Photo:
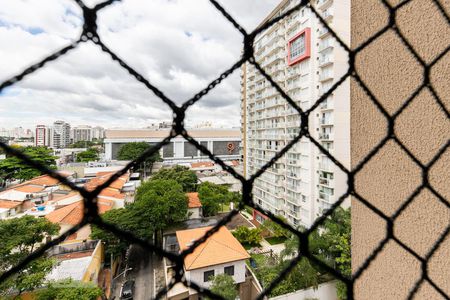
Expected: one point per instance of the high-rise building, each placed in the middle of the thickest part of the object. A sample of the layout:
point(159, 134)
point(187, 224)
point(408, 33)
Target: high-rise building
point(98, 133)
point(305, 60)
point(61, 134)
point(42, 136)
point(82, 133)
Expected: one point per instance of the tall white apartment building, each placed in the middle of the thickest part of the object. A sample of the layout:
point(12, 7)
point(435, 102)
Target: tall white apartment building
point(98, 132)
point(82, 133)
point(42, 136)
point(61, 135)
point(305, 60)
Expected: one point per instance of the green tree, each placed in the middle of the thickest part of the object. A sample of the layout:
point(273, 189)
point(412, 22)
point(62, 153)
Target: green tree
point(163, 202)
point(224, 285)
point(69, 289)
point(82, 144)
point(121, 218)
point(331, 243)
point(213, 196)
point(20, 237)
point(187, 178)
point(276, 229)
point(90, 154)
point(132, 151)
point(157, 204)
point(13, 168)
point(248, 236)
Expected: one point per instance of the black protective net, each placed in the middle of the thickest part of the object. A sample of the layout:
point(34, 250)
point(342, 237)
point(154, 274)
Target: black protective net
point(91, 215)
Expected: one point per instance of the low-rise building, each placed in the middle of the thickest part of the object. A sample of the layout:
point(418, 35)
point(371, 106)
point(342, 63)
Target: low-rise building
point(194, 206)
point(223, 143)
point(220, 253)
point(77, 260)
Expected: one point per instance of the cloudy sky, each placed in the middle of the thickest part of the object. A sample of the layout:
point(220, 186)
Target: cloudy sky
point(179, 45)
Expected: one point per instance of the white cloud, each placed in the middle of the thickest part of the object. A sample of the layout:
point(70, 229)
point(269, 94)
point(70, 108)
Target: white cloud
point(179, 45)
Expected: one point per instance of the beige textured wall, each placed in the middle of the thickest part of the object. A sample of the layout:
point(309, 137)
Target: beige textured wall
point(390, 177)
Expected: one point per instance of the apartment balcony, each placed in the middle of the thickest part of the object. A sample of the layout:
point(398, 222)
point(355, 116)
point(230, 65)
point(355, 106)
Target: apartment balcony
point(293, 124)
point(294, 188)
point(325, 60)
point(326, 122)
point(323, 32)
point(326, 167)
point(326, 136)
point(327, 15)
point(326, 44)
point(326, 182)
point(327, 104)
point(326, 197)
point(325, 76)
point(321, 4)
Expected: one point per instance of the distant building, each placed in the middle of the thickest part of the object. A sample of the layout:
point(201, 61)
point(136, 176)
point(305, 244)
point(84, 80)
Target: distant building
point(223, 143)
point(42, 136)
point(61, 135)
point(82, 133)
point(98, 133)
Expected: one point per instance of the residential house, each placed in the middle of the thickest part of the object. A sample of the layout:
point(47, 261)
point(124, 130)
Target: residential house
point(220, 253)
point(194, 206)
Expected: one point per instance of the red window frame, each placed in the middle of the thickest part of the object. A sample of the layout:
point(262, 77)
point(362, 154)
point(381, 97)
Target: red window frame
point(307, 33)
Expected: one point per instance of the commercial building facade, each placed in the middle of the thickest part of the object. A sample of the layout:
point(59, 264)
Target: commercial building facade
point(304, 59)
point(223, 143)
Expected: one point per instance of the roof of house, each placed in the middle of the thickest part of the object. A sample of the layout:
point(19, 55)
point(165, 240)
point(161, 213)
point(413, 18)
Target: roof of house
point(194, 200)
point(117, 184)
point(203, 164)
point(71, 268)
point(30, 188)
point(72, 214)
point(44, 180)
point(221, 247)
point(9, 204)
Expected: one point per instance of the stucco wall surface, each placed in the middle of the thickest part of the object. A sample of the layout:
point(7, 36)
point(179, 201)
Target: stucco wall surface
point(393, 74)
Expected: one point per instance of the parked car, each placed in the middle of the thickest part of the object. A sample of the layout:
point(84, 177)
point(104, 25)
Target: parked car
point(127, 290)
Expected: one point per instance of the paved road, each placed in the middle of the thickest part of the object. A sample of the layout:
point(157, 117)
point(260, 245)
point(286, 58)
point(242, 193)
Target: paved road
point(142, 273)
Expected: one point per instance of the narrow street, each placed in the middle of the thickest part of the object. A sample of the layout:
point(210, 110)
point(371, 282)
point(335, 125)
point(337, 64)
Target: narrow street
point(142, 273)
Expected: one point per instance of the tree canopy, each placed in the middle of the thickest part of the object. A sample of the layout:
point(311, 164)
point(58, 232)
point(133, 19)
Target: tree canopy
point(213, 196)
point(90, 154)
point(275, 229)
point(69, 289)
point(331, 243)
point(248, 236)
point(20, 237)
point(224, 285)
point(187, 178)
point(132, 151)
point(14, 168)
point(158, 204)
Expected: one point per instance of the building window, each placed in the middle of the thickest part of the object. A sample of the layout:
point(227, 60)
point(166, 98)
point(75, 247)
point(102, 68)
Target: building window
point(229, 270)
point(299, 47)
point(207, 276)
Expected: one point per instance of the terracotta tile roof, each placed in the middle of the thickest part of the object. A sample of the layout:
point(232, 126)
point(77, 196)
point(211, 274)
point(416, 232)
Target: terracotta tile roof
point(9, 204)
point(117, 184)
point(221, 247)
point(194, 201)
point(203, 164)
point(44, 180)
point(30, 188)
point(72, 214)
point(113, 193)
